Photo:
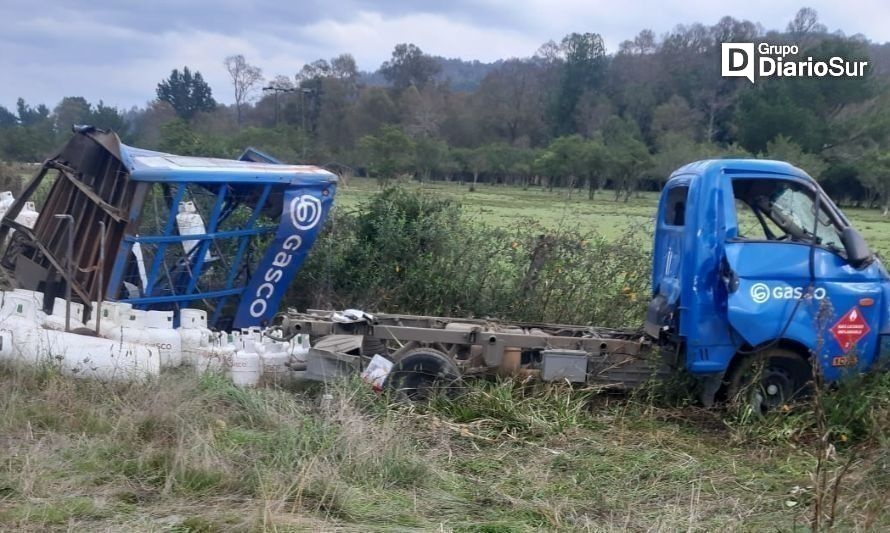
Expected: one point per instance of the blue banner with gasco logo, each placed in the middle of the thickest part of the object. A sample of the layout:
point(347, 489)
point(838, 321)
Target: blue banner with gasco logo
point(304, 211)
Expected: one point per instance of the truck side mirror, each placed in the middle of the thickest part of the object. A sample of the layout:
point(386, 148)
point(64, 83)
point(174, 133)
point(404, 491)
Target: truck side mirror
point(858, 252)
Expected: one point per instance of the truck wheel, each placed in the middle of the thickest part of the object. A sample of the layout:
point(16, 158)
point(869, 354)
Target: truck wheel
point(421, 374)
point(767, 380)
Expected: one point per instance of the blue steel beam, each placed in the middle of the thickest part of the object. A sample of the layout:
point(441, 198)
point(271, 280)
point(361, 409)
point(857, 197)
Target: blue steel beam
point(168, 228)
point(177, 298)
point(205, 244)
point(155, 239)
point(242, 246)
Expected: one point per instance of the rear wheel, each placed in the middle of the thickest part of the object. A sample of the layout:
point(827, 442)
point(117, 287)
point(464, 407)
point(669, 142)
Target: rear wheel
point(768, 380)
point(423, 373)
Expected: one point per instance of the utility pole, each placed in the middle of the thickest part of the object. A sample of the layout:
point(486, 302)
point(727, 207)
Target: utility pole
point(275, 90)
point(304, 91)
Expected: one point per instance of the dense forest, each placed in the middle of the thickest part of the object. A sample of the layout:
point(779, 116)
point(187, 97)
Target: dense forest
point(572, 115)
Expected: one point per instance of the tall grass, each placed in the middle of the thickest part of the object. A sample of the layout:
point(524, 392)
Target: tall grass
point(189, 453)
point(81, 450)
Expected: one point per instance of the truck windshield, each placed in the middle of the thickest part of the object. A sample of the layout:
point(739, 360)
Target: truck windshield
point(784, 211)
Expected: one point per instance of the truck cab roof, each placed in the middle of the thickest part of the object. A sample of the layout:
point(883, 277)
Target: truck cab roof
point(713, 168)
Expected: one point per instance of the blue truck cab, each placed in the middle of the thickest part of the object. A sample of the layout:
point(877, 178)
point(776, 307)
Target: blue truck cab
point(752, 259)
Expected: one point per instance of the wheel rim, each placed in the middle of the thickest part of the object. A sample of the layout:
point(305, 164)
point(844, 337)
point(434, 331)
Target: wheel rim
point(420, 386)
point(772, 390)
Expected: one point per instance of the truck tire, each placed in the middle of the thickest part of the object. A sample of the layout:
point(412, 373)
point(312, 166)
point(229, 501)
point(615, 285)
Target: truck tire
point(423, 373)
point(767, 380)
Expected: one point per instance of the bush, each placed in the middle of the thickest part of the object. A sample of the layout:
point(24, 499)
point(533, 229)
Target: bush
point(404, 251)
point(10, 179)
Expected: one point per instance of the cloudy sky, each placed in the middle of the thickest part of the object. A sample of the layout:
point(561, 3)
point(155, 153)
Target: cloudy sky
point(118, 50)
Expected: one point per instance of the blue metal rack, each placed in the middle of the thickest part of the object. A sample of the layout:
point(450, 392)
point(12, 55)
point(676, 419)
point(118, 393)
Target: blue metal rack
point(260, 218)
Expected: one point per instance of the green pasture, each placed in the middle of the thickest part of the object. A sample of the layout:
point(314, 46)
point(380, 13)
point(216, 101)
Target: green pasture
point(509, 206)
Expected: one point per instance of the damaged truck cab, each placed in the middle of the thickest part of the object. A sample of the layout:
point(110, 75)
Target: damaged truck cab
point(752, 260)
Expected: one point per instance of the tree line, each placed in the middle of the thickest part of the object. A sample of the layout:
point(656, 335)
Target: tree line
point(572, 115)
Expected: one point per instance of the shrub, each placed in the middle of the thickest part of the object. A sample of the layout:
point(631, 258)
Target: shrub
point(407, 252)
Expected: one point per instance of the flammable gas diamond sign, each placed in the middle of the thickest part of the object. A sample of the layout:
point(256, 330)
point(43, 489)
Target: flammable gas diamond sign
point(850, 329)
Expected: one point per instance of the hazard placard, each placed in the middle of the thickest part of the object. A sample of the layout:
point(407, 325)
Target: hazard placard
point(850, 329)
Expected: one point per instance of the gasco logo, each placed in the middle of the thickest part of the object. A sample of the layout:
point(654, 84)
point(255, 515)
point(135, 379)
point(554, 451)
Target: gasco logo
point(761, 293)
point(305, 214)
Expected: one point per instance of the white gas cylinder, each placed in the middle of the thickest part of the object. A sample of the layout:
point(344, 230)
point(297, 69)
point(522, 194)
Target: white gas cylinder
point(299, 347)
point(247, 366)
point(194, 335)
point(160, 333)
point(28, 215)
point(56, 320)
point(77, 355)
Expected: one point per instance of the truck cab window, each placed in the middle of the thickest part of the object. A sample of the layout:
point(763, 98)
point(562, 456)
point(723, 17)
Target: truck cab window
point(777, 210)
point(675, 208)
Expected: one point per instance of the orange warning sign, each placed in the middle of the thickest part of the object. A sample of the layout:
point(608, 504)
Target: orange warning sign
point(850, 329)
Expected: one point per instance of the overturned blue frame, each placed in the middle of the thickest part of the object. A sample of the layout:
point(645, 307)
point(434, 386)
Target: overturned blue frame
point(254, 172)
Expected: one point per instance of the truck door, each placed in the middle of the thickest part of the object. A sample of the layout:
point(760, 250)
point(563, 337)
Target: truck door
point(668, 255)
point(784, 244)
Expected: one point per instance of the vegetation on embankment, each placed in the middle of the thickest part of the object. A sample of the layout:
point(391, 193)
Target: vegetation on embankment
point(189, 453)
point(184, 453)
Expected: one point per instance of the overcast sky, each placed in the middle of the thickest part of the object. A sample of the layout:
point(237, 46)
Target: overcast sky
point(118, 50)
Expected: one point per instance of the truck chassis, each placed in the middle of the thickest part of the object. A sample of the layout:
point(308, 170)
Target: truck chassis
point(606, 357)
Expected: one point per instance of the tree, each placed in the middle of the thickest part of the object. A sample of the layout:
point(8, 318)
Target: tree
point(34, 136)
point(563, 160)
point(805, 22)
point(7, 118)
point(109, 118)
point(783, 148)
point(430, 155)
point(72, 110)
point(571, 159)
point(177, 137)
point(187, 93)
point(874, 175)
point(245, 77)
point(773, 109)
point(473, 160)
point(510, 99)
point(328, 92)
point(343, 67)
point(676, 149)
point(585, 63)
point(675, 116)
point(409, 66)
point(319, 68)
point(643, 43)
point(628, 157)
point(387, 154)
point(31, 116)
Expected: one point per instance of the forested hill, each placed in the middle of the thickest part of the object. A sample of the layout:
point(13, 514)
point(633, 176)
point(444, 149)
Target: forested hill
point(573, 114)
point(458, 74)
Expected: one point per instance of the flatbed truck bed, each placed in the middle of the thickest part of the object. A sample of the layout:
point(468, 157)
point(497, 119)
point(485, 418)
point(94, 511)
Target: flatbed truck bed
point(608, 357)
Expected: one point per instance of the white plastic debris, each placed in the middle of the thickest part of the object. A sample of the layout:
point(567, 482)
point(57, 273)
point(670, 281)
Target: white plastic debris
point(376, 372)
point(349, 316)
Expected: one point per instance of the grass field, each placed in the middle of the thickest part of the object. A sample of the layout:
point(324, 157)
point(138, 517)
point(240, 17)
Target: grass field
point(188, 454)
point(195, 454)
point(508, 206)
